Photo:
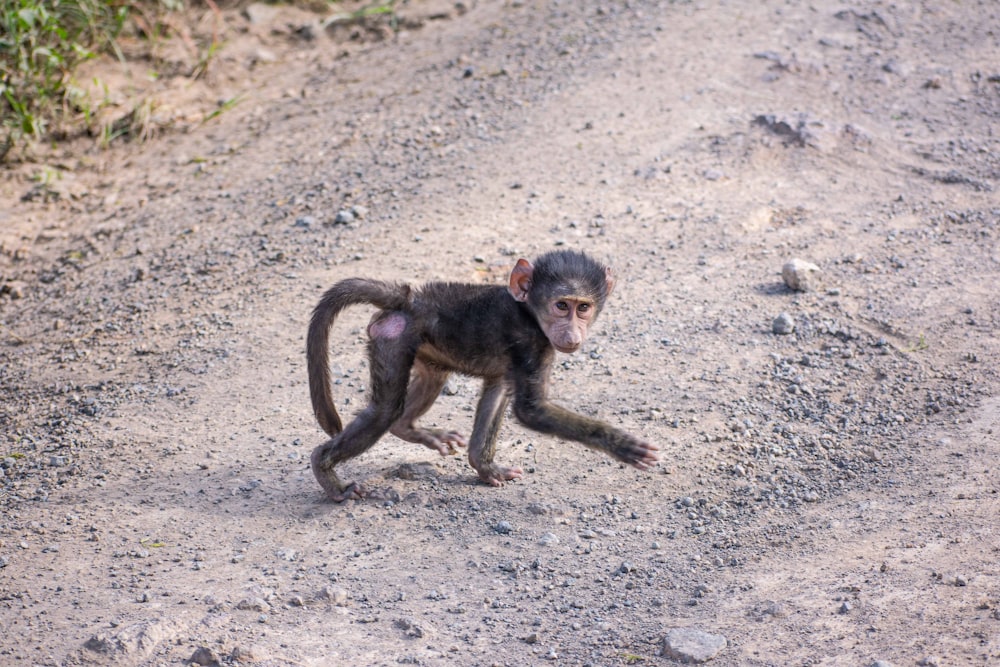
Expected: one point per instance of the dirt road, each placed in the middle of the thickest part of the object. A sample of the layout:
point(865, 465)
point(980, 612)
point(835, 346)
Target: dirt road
point(827, 495)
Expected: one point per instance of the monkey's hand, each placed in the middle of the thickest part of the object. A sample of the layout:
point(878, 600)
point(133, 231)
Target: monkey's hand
point(636, 453)
point(443, 442)
point(495, 475)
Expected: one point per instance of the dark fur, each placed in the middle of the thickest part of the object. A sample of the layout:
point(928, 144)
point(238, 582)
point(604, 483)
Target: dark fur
point(471, 329)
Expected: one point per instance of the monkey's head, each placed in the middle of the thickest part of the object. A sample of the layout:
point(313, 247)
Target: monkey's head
point(565, 290)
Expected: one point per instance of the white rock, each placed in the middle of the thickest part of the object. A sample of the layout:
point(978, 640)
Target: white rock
point(800, 275)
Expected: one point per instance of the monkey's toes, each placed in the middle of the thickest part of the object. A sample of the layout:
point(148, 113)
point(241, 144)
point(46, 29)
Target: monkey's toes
point(352, 491)
point(496, 475)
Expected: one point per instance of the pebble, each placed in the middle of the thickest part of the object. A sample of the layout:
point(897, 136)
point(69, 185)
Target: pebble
point(548, 540)
point(14, 288)
point(412, 628)
point(504, 528)
point(337, 596)
point(799, 275)
point(253, 604)
point(690, 645)
point(248, 654)
point(343, 217)
point(205, 656)
point(783, 324)
point(305, 221)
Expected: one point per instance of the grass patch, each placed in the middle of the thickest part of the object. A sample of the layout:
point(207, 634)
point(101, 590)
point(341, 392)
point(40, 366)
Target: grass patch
point(41, 42)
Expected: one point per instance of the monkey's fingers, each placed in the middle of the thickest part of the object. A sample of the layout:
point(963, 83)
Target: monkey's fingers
point(640, 455)
point(445, 442)
point(453, 440)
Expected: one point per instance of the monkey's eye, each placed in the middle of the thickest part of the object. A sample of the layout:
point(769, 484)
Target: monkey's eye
point(583, 308)
point(562, 305)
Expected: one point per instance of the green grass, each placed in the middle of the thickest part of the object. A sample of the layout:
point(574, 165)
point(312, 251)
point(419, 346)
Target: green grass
point(41, 42)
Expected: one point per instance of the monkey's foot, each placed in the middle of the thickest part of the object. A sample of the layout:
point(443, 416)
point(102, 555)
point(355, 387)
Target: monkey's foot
point(335, 490)
point(352, 491)
point(496, 475)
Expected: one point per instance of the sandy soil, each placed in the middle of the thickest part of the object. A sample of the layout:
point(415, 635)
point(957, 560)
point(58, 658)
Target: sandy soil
point(826, 497)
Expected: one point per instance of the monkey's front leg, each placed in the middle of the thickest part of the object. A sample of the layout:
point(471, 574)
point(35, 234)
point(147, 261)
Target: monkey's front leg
point(482, 445)
point(548, 418)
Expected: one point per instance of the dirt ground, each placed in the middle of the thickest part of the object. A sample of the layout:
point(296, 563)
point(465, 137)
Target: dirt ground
point(829, 496)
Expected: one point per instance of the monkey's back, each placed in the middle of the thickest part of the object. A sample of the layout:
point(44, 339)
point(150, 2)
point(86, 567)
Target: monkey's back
point(473, 329)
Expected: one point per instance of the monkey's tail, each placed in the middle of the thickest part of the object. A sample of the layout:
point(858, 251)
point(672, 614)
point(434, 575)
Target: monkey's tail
point(386, 296)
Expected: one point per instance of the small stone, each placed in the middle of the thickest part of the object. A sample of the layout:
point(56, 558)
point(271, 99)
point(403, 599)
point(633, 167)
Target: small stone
point(845, 608)
point(259, 13)
point(359, 211)
point(262, 55)
point(253, 604)
point(783, 324)
point(248, 654)
point(343, 217)
point(305, 221)
point(291, 555)
point(15, 289)
point(412, 628)
point(205, 656)
point(548, 540)
point(799, 275)
point(337, 596)
point(504, 528)
point(692, 646)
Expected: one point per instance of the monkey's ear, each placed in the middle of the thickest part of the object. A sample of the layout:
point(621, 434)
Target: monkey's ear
point(609, 278)
point(520, 280)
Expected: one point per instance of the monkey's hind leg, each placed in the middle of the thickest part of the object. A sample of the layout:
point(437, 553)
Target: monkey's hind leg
point(425, 386)
point(323, 459)
point(391, 355)
point(482, 447)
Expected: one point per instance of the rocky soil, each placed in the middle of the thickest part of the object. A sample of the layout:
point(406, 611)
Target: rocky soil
point(829, 492)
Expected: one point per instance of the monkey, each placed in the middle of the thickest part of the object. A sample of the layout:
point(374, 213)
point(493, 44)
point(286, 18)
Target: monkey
point(505, 335)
